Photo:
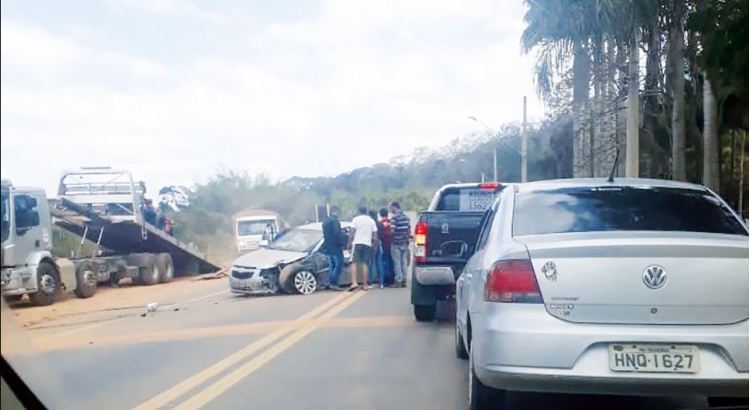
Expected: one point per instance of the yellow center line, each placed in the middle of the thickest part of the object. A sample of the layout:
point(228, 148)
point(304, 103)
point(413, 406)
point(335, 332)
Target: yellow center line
point(191, 382)
point(223, 384)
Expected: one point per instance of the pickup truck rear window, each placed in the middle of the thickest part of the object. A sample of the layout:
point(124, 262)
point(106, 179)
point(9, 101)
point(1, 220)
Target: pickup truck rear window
point(612, 208)
point(466, 199)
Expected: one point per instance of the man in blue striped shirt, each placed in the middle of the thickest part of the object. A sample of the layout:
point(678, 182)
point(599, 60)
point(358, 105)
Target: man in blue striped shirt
point(401, 228)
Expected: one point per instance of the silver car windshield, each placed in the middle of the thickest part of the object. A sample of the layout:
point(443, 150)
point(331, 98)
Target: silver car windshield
point(613, 208)
point(298, 240)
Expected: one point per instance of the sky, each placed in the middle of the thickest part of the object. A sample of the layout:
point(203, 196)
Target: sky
point(176, 90)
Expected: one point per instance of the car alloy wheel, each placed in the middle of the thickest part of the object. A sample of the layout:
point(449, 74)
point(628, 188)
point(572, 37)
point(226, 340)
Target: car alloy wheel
point(305, 282)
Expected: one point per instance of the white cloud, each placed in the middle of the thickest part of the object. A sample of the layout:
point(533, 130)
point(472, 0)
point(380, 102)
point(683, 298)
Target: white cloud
point(142, 66)
point(350, 85)
point(35, 49)
point(168, 7)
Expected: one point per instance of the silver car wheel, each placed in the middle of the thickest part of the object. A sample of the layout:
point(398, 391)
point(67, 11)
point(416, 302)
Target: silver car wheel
point(305, 282)
point(471, 373)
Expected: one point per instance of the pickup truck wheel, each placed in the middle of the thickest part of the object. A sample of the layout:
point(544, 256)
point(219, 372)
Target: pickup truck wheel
point(149, 275)
point(461, 352)
point(425, 313)
point(85, 281)
point(480, 396)
point(727, 402)
point(48, 285)
point(166, 267)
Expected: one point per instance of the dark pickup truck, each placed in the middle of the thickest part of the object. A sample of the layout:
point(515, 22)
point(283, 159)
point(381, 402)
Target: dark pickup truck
point(444, 239)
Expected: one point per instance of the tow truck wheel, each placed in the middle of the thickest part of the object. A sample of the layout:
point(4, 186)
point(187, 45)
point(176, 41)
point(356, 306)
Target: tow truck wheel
point(149, 275)
point(48, 285)
point(166, 267)
point(86, 281)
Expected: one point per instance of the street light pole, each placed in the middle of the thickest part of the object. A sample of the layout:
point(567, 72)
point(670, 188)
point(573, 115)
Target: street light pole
point(524, 147)
point(494, 156)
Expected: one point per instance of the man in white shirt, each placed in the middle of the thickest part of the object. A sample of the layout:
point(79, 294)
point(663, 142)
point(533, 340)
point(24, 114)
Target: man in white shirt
point(362, 237)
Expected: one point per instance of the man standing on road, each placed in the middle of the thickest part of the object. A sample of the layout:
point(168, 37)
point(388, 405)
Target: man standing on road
point(362, 237)
point(333, 247)
point(385, 241)
point(401, 227)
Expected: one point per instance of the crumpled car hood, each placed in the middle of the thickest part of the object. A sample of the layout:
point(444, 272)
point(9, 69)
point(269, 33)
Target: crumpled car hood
point(268, 258)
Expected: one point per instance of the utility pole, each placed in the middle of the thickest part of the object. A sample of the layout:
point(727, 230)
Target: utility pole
point(494, 161)
point(524, 146)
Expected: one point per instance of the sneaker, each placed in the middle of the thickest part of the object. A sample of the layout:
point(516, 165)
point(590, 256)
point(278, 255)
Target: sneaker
point(381, 286)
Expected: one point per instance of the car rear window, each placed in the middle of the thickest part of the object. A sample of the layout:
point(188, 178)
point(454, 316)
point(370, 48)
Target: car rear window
point(466, 199)
point(612, 208)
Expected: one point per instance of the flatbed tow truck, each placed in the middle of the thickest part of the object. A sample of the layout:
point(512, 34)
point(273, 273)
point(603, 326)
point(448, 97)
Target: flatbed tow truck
point(102, 205)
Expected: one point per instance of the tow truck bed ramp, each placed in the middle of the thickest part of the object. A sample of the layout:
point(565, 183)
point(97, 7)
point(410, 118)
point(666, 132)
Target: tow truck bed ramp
point(102, 205)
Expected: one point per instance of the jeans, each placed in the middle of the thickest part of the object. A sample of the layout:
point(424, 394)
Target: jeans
point(335, 263)
point(400, 256)
point(376, 266)
point(386, 273)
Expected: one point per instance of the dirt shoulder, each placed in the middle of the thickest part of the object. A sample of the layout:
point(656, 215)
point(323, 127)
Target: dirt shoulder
point(126, 296)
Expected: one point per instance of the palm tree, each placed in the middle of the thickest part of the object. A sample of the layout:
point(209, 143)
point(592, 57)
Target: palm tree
point(711, 165)
point(677, 60)
point(561, 29)
point(557, 30)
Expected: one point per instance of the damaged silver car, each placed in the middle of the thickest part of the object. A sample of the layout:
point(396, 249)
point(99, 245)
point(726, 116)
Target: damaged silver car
point(293, 264)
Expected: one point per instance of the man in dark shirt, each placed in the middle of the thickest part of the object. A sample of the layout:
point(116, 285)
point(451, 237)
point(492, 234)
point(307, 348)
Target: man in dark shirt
point(333, 247)
point(400, 228)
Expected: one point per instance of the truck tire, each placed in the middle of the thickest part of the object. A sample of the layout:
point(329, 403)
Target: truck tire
point(85, 281)
point(13, 298)
point(166, 267)
point(425, 313)
point(48, 285)
point(149, 275)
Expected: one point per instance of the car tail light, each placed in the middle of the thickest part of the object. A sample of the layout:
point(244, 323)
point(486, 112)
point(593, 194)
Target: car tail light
point(420, 241)
point(512, 281)
point(489, 185)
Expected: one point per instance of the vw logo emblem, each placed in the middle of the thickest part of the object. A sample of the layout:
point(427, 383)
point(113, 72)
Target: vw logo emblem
point(654, 277)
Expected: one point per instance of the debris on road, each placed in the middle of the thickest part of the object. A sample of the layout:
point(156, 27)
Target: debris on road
point(216, 275)
point(151, 307)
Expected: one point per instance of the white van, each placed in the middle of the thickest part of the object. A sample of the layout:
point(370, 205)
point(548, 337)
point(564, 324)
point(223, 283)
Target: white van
point(255, 228)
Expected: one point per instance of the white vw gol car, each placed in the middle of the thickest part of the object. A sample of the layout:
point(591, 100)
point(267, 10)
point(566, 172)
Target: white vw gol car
point(626, 286)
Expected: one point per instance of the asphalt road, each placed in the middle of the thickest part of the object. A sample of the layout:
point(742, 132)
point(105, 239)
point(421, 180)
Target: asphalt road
point(325, 351)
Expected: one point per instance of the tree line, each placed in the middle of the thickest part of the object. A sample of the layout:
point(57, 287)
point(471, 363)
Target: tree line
point(682, 115)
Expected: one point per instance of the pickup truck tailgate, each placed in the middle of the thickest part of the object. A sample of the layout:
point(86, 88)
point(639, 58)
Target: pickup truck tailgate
point(451, 236)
